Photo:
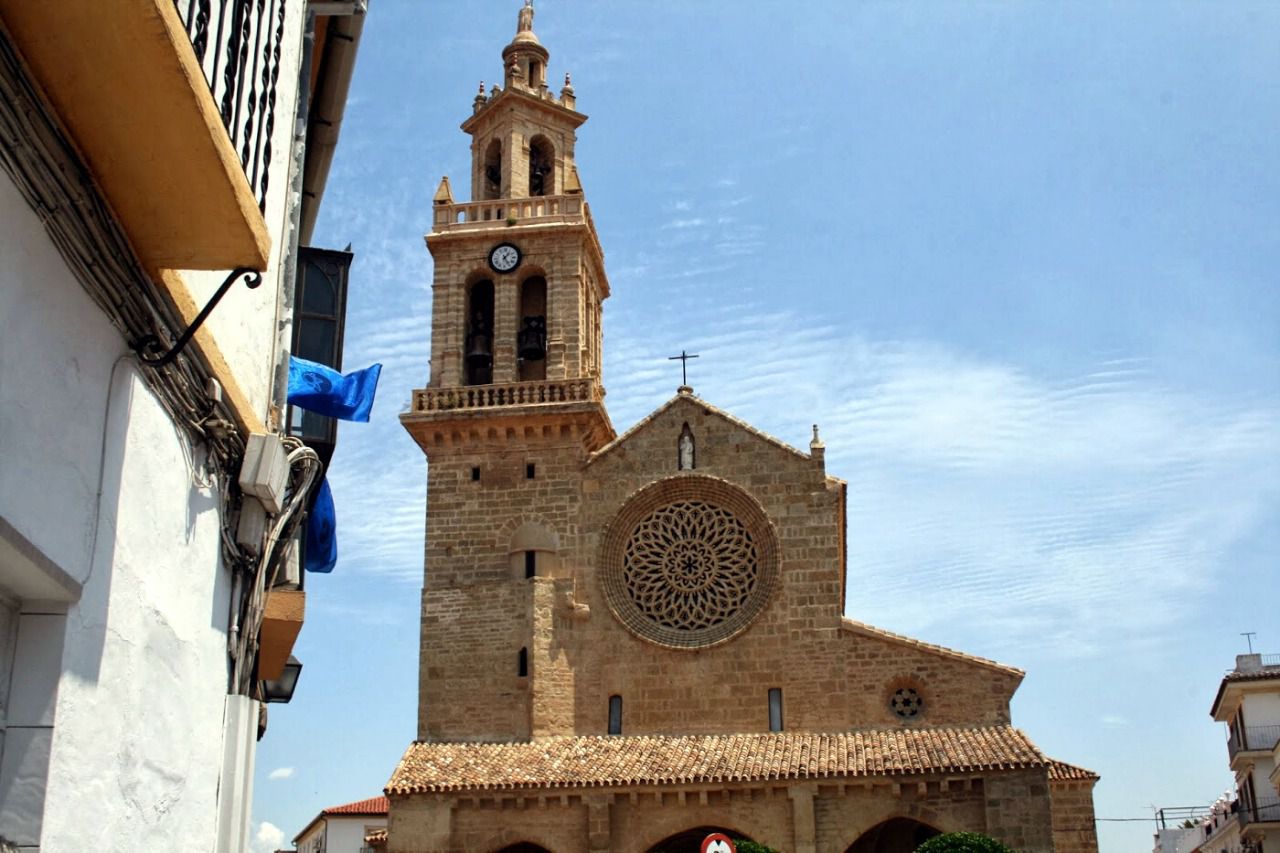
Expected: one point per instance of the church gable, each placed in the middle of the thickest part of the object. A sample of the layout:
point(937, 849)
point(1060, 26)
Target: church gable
point(716, 435)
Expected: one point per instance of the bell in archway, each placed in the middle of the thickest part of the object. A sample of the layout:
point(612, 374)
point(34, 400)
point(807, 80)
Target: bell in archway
point(479, 343)
point(531, 342)
point(478, 352)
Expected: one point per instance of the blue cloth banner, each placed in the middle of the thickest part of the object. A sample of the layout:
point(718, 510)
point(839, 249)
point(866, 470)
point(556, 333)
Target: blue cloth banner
point(325, 391)
point(321, 550)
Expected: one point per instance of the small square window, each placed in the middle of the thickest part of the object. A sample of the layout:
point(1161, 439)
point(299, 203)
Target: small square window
point(529, 471)
point(475, 473)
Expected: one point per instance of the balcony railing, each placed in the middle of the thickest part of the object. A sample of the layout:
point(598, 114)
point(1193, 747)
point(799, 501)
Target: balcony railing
point(1266, 811)
point(1253, 737)
point(505, 394)
point(237, 43)
point(540, 209)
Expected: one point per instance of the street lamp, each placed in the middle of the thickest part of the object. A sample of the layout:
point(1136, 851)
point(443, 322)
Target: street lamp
point(281, 690)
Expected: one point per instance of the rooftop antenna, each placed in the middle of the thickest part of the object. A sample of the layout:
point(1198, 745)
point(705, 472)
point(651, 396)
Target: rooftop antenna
point(1249, 635)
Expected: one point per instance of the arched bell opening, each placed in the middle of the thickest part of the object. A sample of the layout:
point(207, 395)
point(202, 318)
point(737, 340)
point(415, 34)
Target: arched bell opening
point(478, 348)
point(542, 166)
point(896, 835)
point(690, 841)
point(491, 177)
point(531, 335)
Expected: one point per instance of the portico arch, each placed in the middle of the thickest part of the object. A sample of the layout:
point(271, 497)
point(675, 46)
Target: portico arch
point(690, 840)
point(895, 835)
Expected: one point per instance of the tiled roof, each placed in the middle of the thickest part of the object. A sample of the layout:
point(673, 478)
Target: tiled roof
point(638, 760)
point(1234, 677)
point(1061, 771)
point(856, 627)
point(373, 805)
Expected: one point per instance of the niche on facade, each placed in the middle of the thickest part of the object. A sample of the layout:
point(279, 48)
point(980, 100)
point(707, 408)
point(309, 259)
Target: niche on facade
point(531, 336)
point(491, 177)
point(686, 450)
point(542, 166)
point(478, 362)
point(533, 552)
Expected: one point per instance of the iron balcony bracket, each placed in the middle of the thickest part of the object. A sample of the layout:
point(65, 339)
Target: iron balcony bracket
point(148, 346)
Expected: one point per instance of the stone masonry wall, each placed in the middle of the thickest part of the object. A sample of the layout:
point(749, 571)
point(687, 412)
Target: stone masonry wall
point(800, 817)
point(1074, 830)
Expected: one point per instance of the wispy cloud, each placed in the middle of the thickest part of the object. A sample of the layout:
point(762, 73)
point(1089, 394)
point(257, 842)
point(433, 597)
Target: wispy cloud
point(1070, 512)
point(280, 773)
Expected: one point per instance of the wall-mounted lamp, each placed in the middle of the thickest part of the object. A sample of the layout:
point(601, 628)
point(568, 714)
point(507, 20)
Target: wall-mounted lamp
point(281, 690)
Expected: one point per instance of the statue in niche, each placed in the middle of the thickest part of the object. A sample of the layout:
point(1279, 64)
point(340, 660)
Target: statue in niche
point(686, 454)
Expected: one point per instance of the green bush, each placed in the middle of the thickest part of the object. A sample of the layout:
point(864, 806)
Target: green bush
point(962, 842)
point(751, 847)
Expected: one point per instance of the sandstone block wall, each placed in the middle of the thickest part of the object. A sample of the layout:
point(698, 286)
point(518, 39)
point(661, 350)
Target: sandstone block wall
point(1074, 830)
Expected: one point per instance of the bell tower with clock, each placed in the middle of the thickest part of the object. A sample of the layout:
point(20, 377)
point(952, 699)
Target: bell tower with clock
point(514, 405)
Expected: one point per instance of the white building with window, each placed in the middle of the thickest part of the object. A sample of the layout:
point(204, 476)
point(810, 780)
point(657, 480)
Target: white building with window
point(342, 829)
point(151, 151)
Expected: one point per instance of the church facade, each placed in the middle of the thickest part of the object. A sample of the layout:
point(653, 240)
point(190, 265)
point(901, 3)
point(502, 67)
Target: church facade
point(631, 641)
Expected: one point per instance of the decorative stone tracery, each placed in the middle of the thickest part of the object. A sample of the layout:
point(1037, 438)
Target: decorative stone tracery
point(689, 562)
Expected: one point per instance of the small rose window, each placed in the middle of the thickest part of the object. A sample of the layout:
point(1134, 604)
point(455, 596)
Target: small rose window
point(907, 703)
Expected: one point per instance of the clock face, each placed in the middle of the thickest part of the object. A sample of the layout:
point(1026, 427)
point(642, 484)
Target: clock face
point(504, 257)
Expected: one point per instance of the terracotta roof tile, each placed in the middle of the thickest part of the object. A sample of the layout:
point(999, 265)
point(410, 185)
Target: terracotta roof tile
point(373, 805)
point(639, 760)
point(1060, 771)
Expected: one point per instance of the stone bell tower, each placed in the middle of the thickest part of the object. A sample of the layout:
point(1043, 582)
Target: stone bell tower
point(513, 408)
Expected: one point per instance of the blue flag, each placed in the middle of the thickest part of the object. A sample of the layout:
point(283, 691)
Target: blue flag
point(325, 391)
point(321, 549)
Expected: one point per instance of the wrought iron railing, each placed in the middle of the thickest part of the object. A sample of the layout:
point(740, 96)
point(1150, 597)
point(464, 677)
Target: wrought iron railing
point(1264, 811)
point(1253, 737)
point(237, 43)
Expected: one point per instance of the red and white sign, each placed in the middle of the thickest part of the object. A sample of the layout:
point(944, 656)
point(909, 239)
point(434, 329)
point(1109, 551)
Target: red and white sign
point(718, 843)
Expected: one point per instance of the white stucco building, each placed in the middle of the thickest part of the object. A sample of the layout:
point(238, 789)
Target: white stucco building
point(342, 829)
point(147, 149)
point(1248, 701)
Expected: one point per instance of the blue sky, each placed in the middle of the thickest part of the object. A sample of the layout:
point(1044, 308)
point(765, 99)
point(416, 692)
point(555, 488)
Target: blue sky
point(1017, 260)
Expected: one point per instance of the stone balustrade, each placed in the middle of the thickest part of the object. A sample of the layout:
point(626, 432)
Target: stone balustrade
point(504, 394)
point(541, 209)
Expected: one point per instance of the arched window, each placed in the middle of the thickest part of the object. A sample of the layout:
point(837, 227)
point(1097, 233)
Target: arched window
point(775, 709)
point(491, 180)
point(479, 333)
point(615, 715)
point(531, 337)
point(542, 164)
point(686, 451)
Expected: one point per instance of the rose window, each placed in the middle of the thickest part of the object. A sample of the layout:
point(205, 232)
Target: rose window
point(690, 565)
point(689, 562)
point(906, 702)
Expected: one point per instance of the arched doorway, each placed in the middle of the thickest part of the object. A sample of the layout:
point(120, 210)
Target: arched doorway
point(896, 835)
point(690, 841)
point(524, 847)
